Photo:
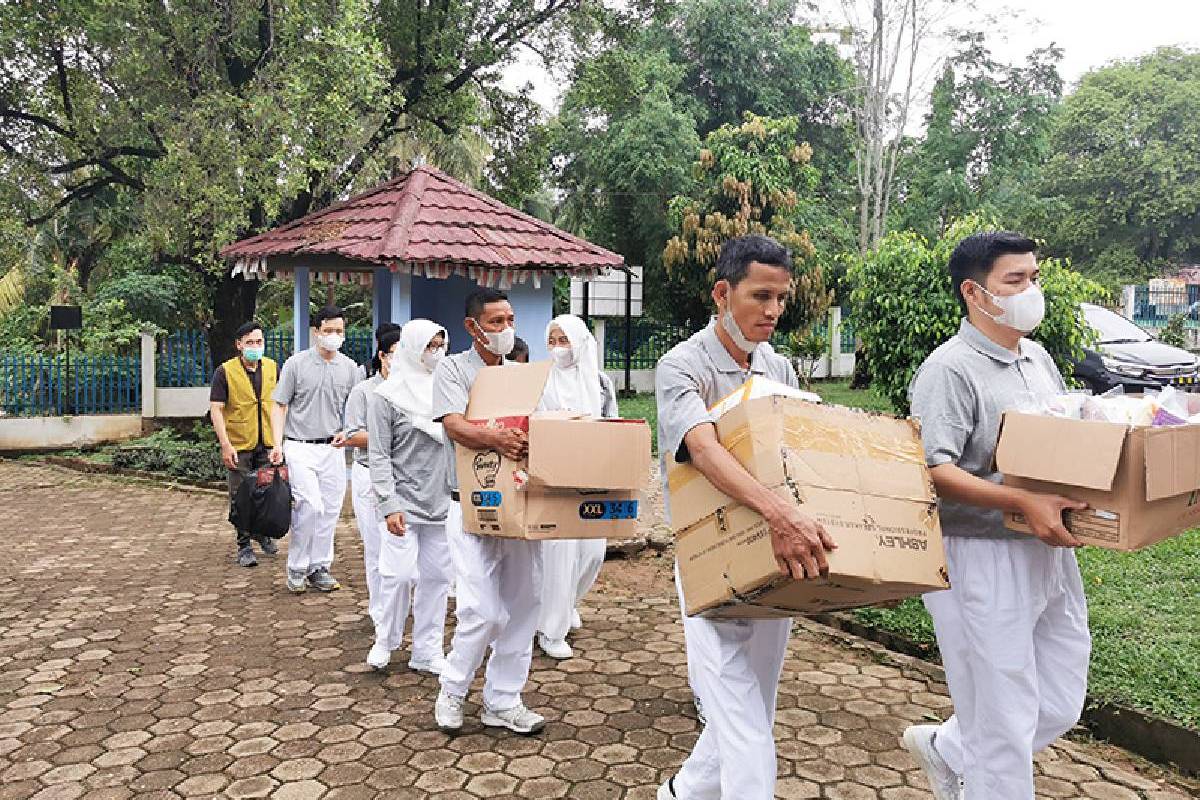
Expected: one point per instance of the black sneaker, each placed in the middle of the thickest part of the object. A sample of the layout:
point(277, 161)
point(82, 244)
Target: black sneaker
point(245, 557)
point(268, 546)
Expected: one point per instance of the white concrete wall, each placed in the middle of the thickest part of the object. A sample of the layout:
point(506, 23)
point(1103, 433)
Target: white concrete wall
point(177, 403)
point(56, 433)
point(641, 379)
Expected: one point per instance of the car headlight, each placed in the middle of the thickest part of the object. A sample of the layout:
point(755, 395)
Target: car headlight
point(1123, 367)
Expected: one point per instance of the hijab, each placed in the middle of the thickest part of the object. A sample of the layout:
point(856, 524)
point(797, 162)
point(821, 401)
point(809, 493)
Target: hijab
point(575, 386)
point(409, 384)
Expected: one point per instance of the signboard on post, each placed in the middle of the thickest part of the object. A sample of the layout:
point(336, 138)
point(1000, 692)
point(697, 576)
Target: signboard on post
point(606, 295)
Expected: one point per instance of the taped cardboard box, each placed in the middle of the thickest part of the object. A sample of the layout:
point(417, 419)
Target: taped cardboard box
point(862, 476)
point(583, 478)
point(1142, 485)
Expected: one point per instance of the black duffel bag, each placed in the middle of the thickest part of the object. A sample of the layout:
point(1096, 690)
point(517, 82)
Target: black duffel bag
point(263, 506)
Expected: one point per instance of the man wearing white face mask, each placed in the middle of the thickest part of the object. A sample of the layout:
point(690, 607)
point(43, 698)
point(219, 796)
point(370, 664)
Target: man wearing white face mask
point(310, 401)
point(498, 589)
point(1013, 629)
point(570, 566)
point(408, 473)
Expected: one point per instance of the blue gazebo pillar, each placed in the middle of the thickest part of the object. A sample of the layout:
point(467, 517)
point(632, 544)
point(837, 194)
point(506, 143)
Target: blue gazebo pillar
point(381, 301)
point(300, 301)
point(400, 301)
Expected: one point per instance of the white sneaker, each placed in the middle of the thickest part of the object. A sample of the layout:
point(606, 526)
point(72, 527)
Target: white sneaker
point(448, 712)
point(555, 648)
point(667, 790)
point(944, 782)
point(433, 666)
point(379, 657)
point(576, 620)
point(517, 719)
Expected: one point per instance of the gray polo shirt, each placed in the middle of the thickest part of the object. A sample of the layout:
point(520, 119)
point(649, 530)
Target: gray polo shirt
point(315, 392)
point(408, 466)
point(452, 381)
point(694, 376)
point(959, 394)
point(362, 397)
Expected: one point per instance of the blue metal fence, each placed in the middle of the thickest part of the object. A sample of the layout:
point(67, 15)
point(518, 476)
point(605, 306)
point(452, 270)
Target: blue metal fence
point(183, 358)
point(651, 340)
point(39, 385)
point(1153, 308)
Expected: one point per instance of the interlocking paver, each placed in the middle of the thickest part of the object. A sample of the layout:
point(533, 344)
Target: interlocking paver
point(136, 661)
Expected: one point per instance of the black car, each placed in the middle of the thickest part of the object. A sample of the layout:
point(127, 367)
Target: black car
point(1128, 356)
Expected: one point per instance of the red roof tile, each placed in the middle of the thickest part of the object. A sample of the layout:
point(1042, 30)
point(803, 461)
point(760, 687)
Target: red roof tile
point(427, 217)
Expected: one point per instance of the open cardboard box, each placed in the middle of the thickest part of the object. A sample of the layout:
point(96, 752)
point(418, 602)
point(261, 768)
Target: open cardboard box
point(583, 477)
point(1142, 485)
point(862, 476)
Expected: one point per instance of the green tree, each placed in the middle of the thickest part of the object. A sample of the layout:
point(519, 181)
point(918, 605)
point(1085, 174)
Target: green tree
point(1122, 184)
point(753, 178)
point(657, 78)
point(214, 121)
point(987, 136)
point(904, 306)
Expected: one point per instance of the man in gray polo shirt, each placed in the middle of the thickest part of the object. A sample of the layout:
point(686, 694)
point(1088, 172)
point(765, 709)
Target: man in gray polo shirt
point(310, 400)
point(734, 665)
point(498, 590)
point(1012, 630)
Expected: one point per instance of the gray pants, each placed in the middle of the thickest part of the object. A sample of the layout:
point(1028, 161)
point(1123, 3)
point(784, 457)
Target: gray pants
point(248, 461)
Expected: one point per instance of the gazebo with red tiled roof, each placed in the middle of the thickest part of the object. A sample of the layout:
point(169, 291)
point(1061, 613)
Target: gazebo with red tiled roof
point(423, 240)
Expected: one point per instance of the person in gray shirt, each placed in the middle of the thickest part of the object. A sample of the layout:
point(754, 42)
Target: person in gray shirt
point(366, 508)
point(498, 579)
point(734, 665)
point(310, 400)
point(1013, 629)
point(407, 465)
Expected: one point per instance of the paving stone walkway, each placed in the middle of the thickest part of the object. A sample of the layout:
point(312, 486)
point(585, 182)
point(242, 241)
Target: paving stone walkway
point(136, 661)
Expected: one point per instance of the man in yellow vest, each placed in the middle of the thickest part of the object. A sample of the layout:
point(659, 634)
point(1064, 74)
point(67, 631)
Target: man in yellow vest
point(240, 403)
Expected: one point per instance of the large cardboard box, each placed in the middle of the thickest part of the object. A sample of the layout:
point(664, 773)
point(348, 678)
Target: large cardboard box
point(1142, 485)
point(863, 476)
point(583, 478)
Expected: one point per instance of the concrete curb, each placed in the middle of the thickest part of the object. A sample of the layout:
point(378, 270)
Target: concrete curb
point(1153, 738)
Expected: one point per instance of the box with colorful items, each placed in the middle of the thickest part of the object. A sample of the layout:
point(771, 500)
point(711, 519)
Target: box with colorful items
point(1134, 459)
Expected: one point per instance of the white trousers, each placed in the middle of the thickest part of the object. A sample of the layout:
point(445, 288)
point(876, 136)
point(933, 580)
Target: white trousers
point(498, 597)
point(370, 528)
point(569, 568)
point(735, 667)
point(1014, 638)
point(415, 565)
point(318, 477)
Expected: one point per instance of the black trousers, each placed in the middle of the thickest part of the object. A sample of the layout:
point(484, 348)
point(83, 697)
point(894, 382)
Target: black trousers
point(248, 461)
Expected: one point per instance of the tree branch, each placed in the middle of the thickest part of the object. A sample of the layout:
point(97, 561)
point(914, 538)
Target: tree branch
point(7, 112)
point(63, 87)
point(81, 191)
point(103, 159)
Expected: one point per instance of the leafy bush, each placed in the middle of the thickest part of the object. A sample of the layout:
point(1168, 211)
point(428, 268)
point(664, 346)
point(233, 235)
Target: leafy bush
point(904, 306)
point(1174, 332)
point(196, 458)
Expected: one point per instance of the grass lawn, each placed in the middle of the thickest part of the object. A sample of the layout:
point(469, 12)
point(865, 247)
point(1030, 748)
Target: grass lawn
point(1144, 606)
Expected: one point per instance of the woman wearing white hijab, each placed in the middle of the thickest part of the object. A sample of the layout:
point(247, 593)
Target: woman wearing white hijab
point(408, 473)
point(570, 566)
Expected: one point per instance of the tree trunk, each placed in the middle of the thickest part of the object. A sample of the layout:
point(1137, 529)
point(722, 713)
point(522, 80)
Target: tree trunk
point(233, 303)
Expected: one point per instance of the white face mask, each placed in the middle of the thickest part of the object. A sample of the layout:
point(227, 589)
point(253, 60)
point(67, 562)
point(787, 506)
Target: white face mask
point(499, 344)
point(735, 333)
point(431, 358)
point(1022, 312)
point(331, 341)
point(564, 357)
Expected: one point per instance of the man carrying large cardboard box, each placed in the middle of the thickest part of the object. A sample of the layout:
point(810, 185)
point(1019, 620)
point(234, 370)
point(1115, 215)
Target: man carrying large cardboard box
point(498, 587)
point(1012, 629)
point(735, 664)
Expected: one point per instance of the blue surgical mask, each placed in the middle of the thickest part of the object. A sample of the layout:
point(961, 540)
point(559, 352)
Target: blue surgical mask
point(252, 353)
